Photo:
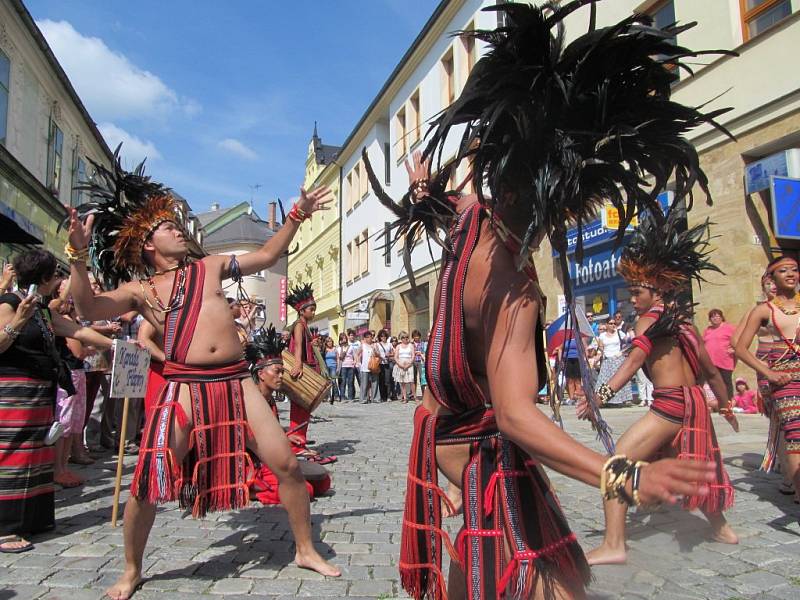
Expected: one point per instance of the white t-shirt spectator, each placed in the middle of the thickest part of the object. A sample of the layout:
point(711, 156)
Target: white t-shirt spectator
point(612, 344)
point(366, 354)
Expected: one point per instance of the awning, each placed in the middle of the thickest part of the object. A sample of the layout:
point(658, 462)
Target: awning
point(11, 232)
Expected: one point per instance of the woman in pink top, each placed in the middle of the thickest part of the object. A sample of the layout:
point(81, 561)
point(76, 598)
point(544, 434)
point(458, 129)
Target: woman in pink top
point(717, 338)
point(744, 400)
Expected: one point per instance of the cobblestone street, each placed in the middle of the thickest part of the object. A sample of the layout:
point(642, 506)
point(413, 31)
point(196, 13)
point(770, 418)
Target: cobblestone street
point(246, 554)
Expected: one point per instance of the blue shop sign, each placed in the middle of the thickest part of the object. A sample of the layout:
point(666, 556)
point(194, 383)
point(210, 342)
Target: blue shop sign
point(757, 174)
point(595, 234)
point(24, 224)
point(596, 268)
point(786, 207)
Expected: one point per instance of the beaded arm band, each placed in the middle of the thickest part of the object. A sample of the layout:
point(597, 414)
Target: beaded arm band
point(418, 189)
point(604, 392)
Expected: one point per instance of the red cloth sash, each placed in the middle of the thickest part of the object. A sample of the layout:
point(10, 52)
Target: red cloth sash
point(696, 440)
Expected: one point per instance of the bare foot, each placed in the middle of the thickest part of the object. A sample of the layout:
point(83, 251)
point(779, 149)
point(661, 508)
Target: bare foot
point(126, 586)
point(725, 535)
point(314, 562)
point(606, 555)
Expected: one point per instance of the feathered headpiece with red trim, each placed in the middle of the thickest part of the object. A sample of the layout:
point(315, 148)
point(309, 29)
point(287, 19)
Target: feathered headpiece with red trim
point(664, 255)
point(127, 208)
point(301, 297)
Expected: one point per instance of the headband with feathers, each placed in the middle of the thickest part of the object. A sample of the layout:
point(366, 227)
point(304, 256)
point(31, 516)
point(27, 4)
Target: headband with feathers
point(127, 208)
point(265, 349)
point(301, 297)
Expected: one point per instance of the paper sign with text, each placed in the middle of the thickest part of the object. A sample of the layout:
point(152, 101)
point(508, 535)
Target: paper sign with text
point(129, 371)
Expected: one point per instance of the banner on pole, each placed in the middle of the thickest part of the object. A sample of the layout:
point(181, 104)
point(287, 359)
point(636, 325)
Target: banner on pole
point(129, 370)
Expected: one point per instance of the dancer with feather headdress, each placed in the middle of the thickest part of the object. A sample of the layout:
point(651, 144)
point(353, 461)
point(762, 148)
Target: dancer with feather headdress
point(209, 411)
point(659, 263)
point(552, 130)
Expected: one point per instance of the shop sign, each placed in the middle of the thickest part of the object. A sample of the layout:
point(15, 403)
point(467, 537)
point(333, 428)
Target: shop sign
point(595, 269)
point(282, 298)
point(786, 207)
point(604, 229)
point(25, 224)
point(357, 316)
point(781, 164)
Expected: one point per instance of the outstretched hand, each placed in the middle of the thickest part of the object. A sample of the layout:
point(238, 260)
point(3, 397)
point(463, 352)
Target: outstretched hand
point(420, 171)
point(666, 479)
point(79, 232)
point(316, 199)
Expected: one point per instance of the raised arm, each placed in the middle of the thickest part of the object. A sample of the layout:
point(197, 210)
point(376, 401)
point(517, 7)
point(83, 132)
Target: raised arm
point(102, 306)
point(274, 247)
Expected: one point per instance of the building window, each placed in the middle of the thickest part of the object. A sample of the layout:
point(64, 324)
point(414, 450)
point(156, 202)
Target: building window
point(349, 265)
point(349, 195)
point(363, 252)
point(663, 14)
point(363, 183)
point(413, 118)
point(55, 150)
point(387, 244)
point(469, 54)
point(448, 81)
point(400, 133)
point(79, 178)
point(760, 15)
point(5, 84)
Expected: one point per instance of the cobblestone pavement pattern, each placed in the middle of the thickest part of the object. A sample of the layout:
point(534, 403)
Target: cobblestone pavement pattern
point(247, 554)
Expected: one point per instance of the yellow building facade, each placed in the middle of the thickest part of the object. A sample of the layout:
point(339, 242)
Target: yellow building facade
point(316, 257)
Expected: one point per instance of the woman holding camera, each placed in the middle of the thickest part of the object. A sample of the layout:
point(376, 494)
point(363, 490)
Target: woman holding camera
point(30, 370)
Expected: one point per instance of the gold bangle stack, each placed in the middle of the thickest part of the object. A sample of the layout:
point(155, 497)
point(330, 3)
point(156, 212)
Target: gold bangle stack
point(74, 255)
point(616, 473)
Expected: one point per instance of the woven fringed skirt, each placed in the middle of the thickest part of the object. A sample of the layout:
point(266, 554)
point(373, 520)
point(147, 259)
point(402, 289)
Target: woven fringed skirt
point(27, 410)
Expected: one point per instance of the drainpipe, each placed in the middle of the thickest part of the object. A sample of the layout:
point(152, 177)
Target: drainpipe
point(341, 242)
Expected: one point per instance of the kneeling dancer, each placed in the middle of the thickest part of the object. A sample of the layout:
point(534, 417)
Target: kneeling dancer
point(546, 128)
point(209, 411)
point(659, 264)
point(266, 366)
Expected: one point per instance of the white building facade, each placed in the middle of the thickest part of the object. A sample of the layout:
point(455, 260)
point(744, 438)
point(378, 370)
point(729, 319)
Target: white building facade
point(375, 289)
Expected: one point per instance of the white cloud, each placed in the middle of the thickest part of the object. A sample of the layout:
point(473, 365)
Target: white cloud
point(110, 85)
point(238, 148)
point(134, 149)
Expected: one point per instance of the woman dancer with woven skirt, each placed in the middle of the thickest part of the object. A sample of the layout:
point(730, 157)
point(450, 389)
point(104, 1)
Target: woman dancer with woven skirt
point(531, 127)
point(780, 365)
point(659, 264)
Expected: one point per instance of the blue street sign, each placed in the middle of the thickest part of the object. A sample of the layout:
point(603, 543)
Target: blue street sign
point(786, 207)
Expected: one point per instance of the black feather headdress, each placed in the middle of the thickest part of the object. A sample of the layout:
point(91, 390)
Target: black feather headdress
point(265, 349)
point(664, 255)
point(560, 129)
point(301, 297)
point(127, 207)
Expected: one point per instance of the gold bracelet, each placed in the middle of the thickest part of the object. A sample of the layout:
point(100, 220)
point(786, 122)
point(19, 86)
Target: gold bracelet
point(74, 255)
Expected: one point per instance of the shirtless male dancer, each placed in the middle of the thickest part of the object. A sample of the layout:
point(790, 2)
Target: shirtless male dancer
point(780, 364)
point(659, 264)
point(548, 162)
point(207, 379)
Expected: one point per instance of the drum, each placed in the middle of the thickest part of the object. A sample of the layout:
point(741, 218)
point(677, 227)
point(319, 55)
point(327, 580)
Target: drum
point(307, 391)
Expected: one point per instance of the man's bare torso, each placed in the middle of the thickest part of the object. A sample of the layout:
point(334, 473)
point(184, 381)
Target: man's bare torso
point(215, 341)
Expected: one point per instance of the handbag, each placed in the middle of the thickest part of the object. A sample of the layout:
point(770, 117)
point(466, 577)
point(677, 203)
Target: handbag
point(374, 364)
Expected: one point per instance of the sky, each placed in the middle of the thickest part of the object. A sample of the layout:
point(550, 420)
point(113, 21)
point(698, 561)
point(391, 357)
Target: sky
point(222, 96)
